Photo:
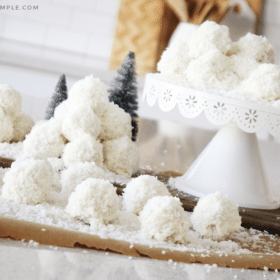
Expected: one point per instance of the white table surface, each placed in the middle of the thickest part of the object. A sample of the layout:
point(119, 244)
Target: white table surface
point(20, 260)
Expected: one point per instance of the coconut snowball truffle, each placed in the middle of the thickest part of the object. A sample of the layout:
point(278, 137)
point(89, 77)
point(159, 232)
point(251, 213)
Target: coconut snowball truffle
point(28, 181)
point(242, 65)
point(79, 172)
point(115, 123)
point(22, 126)
point(95, 201)
point(90, 91)
point(174, 60)
point(164, 219)
point(46, 138)
point(10, 100)
point(6, 127)
point(79, 121)
point(121, 155)
point(82, 149)
point(211, 68)
point(139, 190)
point(215, 216)
point(209, 36)
point(263, 83)
point(256, 47)
point(62, 110)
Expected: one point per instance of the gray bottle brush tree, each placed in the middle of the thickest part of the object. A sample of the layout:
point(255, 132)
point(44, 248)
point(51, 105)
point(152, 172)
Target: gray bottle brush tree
point(123, 91)
point(59, 95)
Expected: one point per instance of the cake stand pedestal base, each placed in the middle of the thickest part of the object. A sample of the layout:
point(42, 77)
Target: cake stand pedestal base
point(231, 164)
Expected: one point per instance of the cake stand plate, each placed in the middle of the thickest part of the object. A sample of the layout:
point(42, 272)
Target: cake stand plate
point(231, 163)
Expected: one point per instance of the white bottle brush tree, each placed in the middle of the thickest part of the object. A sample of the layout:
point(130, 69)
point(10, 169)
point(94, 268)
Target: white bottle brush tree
point(123, 91)
point(59, 95)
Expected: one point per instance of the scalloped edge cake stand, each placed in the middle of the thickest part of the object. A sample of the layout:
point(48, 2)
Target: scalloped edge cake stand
point(231, 163)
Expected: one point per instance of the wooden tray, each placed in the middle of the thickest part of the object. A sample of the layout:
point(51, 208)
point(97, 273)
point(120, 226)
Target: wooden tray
point(264, 220)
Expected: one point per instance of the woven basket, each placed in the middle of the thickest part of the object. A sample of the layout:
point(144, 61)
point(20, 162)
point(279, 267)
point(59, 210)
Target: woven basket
point(144, 27)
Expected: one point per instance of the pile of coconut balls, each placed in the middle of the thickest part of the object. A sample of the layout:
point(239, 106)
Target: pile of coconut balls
point(87, 136)
point(87, 128)
point(72, 154)
point(14, 124)
point(211, 60)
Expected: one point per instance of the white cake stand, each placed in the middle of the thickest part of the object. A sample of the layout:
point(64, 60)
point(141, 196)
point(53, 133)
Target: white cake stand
point(232, 162)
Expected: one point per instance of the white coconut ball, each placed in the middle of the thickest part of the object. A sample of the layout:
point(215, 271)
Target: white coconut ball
point(82, 149)
point(121, 155)
point(31, 155)
point(139, 190)
point(62, 111)
point(212, 68)
point(56, 163)
point(164, 219)
point(28, 181)
point(81, 120)
point(23, 124)
point(209, 36)
point(174, 60)
point(3, 171)
point(6, 127)
point(10, 100)
point(79, 172)
point(242, 65)
point(11, 150)
point(95, 201)
point(256, 47)
point(215, 216)
point(46, 138)
point(115, 123)
point(263, 83)
point(90, 91)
